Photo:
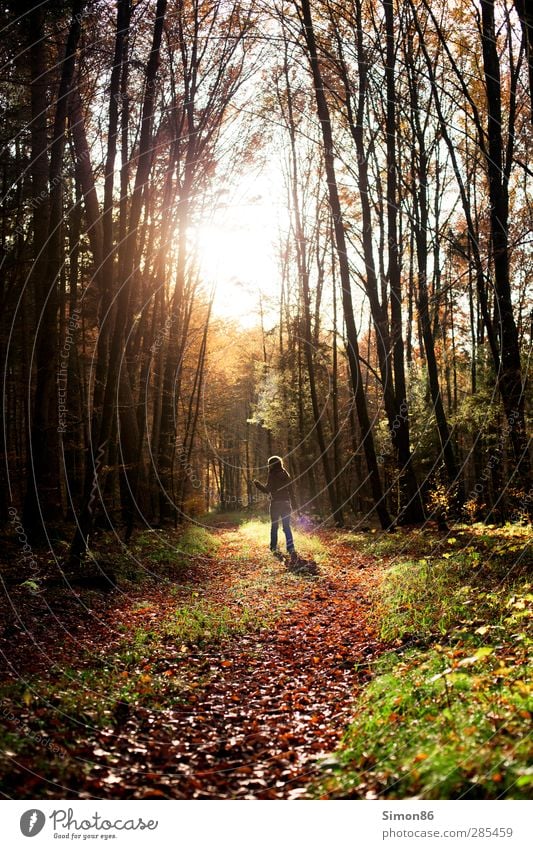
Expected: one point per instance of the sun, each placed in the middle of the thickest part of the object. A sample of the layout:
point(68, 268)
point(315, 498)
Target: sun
point(237, 251)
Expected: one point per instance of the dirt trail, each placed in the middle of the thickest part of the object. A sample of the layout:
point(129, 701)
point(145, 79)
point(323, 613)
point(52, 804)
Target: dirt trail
point(273, 700)
point(261, 705)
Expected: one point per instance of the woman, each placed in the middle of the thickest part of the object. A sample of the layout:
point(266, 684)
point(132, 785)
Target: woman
point(279, 487)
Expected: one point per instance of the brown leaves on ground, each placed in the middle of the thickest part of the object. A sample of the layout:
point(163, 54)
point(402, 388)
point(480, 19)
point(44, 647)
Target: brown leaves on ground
point(258, 707)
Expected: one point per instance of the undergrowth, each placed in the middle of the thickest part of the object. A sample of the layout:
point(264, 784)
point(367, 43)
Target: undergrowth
point(447, 713)
point(160, 547)
point(152, 554)
point(46, 716)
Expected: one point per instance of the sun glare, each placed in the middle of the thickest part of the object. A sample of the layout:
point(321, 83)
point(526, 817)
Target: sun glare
point(237, 254)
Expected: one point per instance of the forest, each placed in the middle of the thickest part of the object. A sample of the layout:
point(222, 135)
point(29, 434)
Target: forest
point(237, 229)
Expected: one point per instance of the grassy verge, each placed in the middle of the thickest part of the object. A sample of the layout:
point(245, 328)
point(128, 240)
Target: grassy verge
point(448, 711)
point(227, 518)
point(160, 551)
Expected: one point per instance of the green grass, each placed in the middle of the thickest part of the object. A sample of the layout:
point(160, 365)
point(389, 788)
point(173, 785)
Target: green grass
point(255, 533)
point(202, 623)
point(450, 718)
point(440, 597)
point(413, 543)
point(216, 518)
point(148, 670)
point(488, 543)
point(160, 546)
point(439, 725)
point(155, 554)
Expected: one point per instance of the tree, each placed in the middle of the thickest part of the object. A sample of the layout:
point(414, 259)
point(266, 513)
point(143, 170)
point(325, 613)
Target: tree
point(340, 238)
point(43, 499)
point(389, 330)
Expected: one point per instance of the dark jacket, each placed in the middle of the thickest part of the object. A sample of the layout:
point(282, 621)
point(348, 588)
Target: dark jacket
point(278, 486)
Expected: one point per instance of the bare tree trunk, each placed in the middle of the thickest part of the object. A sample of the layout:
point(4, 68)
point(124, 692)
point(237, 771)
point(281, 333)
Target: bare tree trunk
point(337, 461)
point(412, 510)
point(194, 410)
point(420, 228)
point(303, 273)
point(510, 378)
point(351, 330)
point(389, 343)
point(43, 496)
point(106, 423)
point(506, 354)
point(525, 13)
point(85, 176)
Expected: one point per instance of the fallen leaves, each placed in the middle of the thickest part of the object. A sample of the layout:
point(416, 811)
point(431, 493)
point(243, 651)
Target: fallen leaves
point(257, 705)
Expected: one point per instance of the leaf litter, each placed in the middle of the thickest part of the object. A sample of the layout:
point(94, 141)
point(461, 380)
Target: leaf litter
point(246, 713)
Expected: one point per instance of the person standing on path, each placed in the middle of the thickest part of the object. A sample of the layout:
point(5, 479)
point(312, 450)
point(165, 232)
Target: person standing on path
point(279, 487)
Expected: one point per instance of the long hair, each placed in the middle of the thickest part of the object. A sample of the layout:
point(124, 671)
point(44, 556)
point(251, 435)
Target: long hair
point(276, 467)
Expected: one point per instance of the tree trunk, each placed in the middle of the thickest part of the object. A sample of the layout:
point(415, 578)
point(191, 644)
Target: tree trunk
point(303, 273)
point(43, 496)
point(344, 268)
point(525, 13)
point(411, 510)
point(388, 342)
point(104, 426)
point(510, 377)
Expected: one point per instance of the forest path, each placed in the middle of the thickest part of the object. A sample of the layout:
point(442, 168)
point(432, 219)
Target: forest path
point(232, 682)
point(261, 703)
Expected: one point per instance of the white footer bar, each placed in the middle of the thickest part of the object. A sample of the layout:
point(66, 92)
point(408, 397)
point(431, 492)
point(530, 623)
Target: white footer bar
point(268, 825)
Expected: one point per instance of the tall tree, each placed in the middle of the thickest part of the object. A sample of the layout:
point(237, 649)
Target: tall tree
point(510, 381)
point(43, 497)
point(109, 402)
point(344, 269)
point(389, 331)
point(303, 265)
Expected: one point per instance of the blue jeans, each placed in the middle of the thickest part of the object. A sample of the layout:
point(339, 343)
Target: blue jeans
point(281, 510)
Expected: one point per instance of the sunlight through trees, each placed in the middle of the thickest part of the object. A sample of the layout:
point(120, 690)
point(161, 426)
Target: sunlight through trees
point(232, 229)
